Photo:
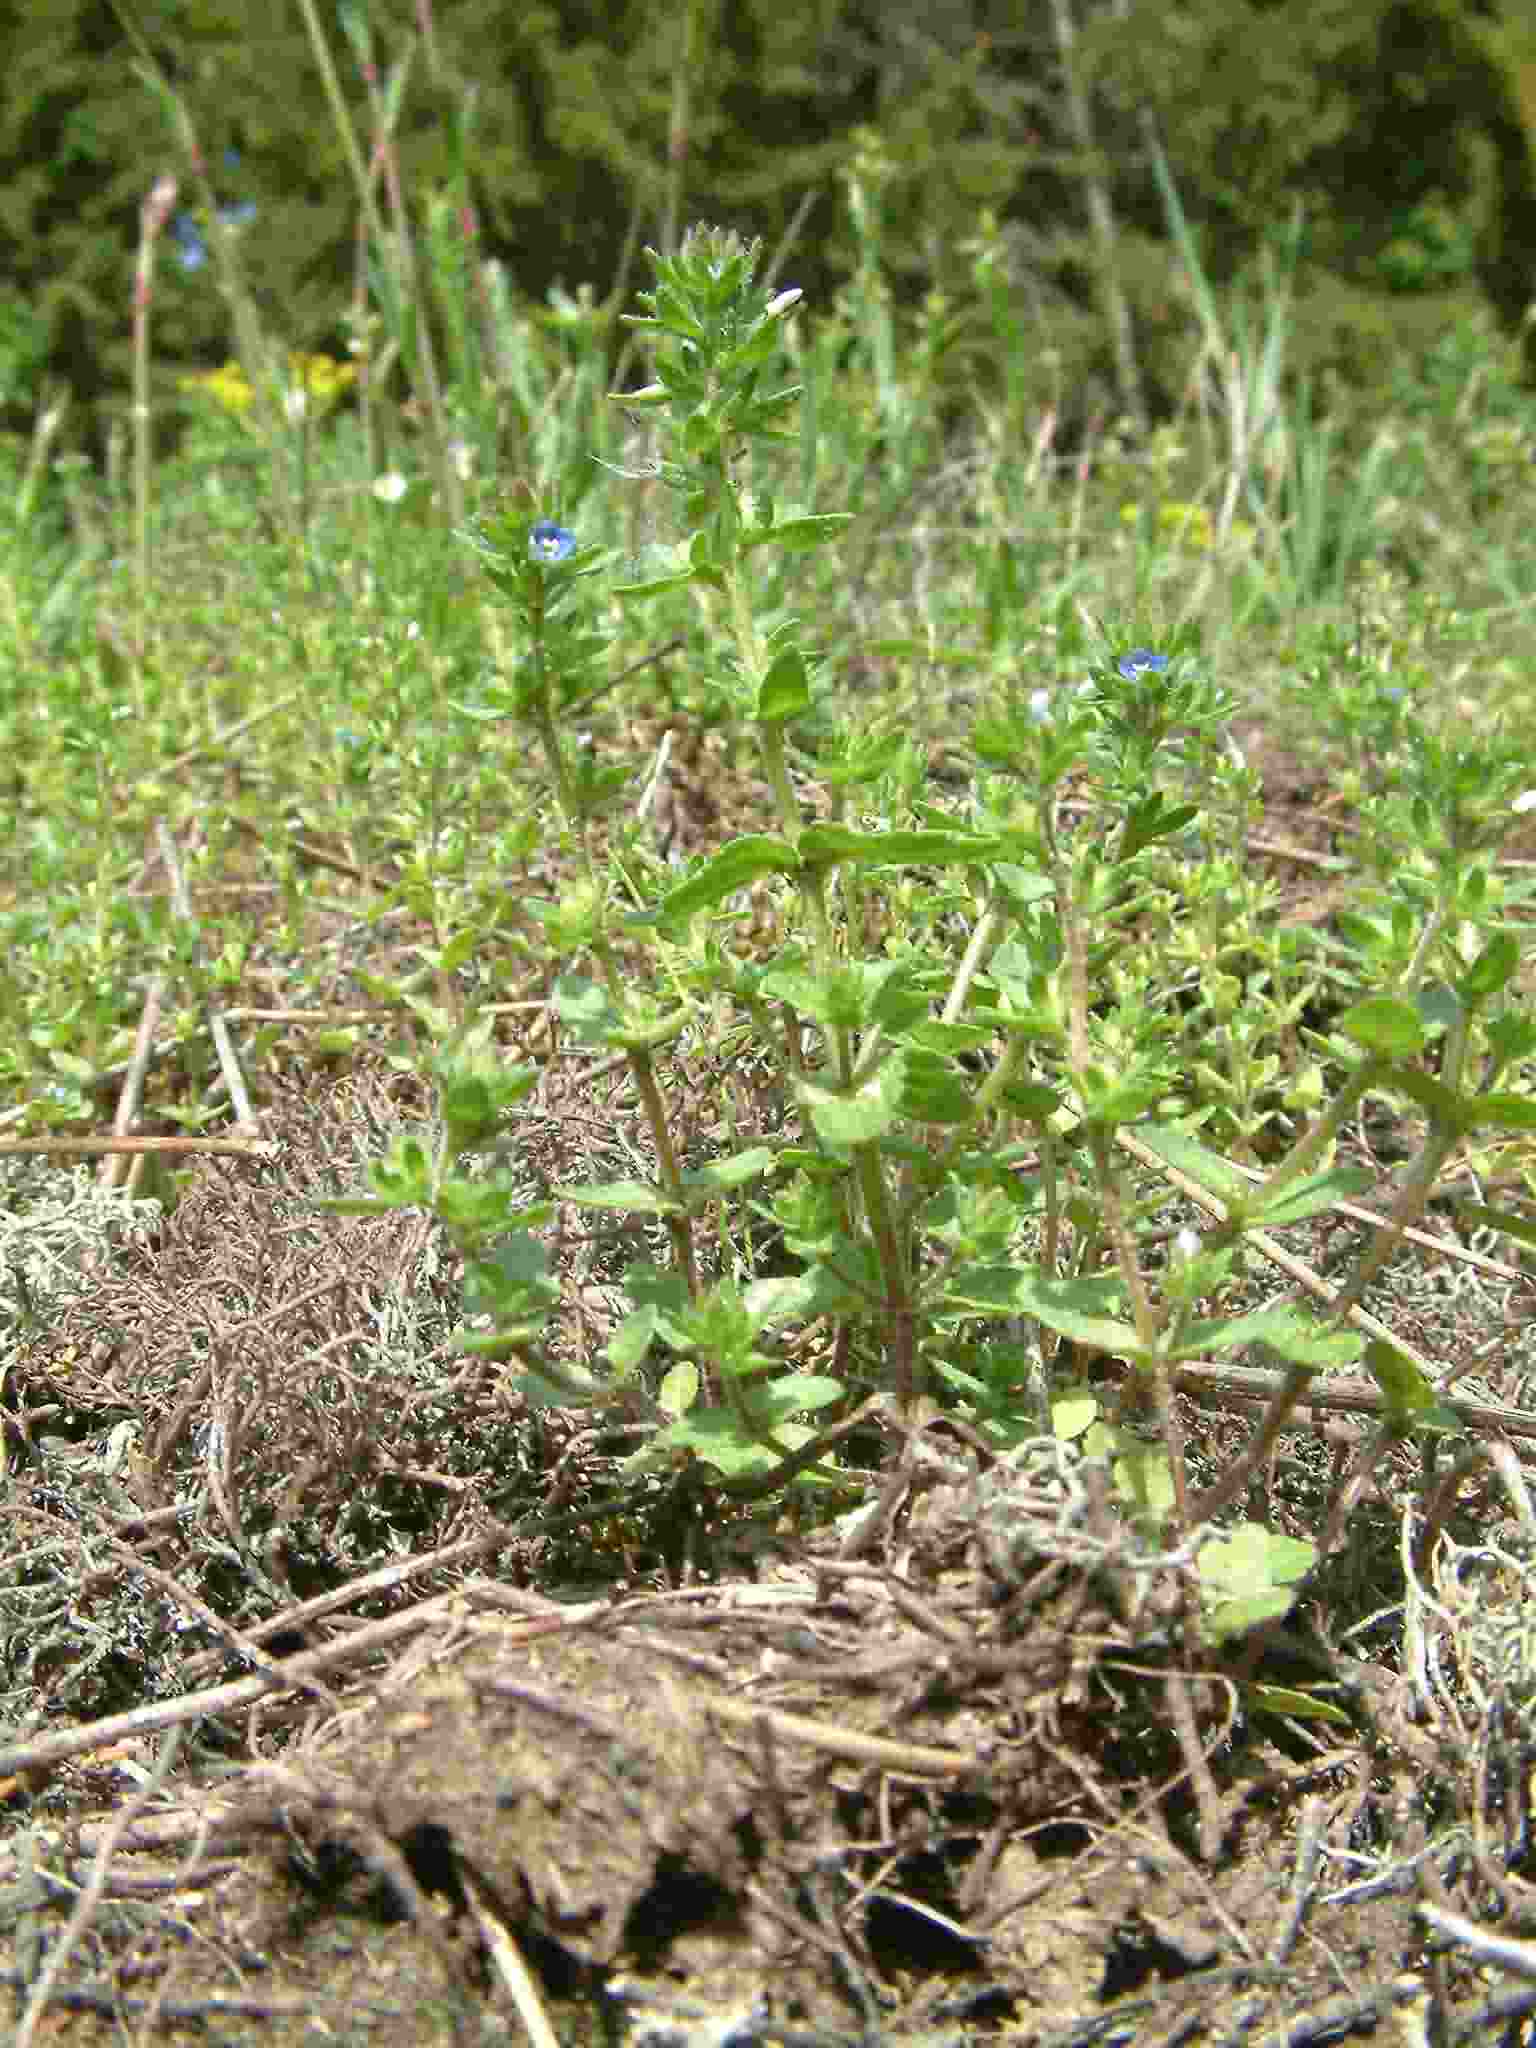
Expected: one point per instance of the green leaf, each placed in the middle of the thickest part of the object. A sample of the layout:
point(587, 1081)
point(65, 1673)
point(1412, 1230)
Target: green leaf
point(1315, 1192)
point(797, 1393)
point(1151, 819)
point(1522, 1228)
point(935, 1091)
point(543, 1384)
point(1144, 1479)
point(716, 1436)
point(1032, 1099)
point(586, 1009)
point(1250, 1576)
point(785, 691)
point(1073, 1411)
point(632, 1339)
point(1112, 1101)
point(762, 420)
point(780, 1297)
point(807, 532)
point(679, 1388)
point(1294, 1704)
point(1291, 1332)
point(632, 1196)
point(1074, 1307)
point(1385, 1025)
point(655, 586)
point(705, 568)
point(1225, 1618)
point(823, 845)
point(859, 1117)
point(1452, 1112)
point(739, 863)
point(513, 1279)
point(327, 1044)
point(1409, 1399)
point(1491, 970)
point(932, 1034)
point(722, 1174)
point(1504, 1112)
point(1207, 1169)
point(762, 342)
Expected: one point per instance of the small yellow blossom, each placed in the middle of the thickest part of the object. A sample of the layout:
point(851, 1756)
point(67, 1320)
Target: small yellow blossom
point(1189, 526)
point(226, 386)
point(316, 379)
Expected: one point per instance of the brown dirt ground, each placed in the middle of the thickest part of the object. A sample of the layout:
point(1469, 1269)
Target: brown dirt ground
point(461, 1754)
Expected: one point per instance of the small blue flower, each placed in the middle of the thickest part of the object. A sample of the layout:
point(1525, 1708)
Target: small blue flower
point(550, 543)
point(188, 236)
point(1139, 662)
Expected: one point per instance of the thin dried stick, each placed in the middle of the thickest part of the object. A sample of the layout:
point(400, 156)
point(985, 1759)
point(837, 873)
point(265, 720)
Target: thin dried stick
point(384, 1580)
point(153, 215)
point(231, 732)
point(112, 2004)
point(91, 1148)
point(291, 1674)
point(132, 1090)
point(1488, 1947)
point(1337, 1395)
point(510, 1967)
point(1181, 1711)
point(315, 855)
point(224, 1045)
point(886, 1755)
point(319, 1018)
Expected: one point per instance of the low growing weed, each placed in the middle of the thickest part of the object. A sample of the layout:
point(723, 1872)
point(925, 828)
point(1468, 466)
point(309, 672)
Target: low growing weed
point(1007, 1029)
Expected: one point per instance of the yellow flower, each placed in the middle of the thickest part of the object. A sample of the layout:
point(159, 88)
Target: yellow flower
point(321, 377)
point(226, 386)
point(316, 378)
point(1187, 525)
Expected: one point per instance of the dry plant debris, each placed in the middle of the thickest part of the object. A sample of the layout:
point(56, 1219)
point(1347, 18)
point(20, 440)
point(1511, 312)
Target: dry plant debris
point(916, 1777)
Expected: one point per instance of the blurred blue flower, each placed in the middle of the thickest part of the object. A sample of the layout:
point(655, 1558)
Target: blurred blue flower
point(1139, 662)
point(550, 543)
point(188, 236)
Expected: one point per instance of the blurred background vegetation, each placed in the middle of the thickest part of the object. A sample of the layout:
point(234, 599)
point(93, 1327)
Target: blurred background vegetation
point(1390, 138)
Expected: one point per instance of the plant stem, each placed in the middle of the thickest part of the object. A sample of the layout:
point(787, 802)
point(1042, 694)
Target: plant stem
point(153, 215)
point(679, 1228)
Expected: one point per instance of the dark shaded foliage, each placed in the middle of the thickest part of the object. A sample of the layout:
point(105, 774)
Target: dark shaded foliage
point(1397, 124)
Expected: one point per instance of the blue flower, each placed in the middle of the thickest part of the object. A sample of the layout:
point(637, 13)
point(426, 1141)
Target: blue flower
point(1139, 662)
point(550, 543)
point(188, 236)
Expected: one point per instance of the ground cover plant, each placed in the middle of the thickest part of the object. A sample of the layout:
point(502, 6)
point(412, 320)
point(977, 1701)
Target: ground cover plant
point(736, 988)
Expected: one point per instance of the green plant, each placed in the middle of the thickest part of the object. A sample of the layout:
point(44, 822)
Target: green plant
point(986, 1113)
